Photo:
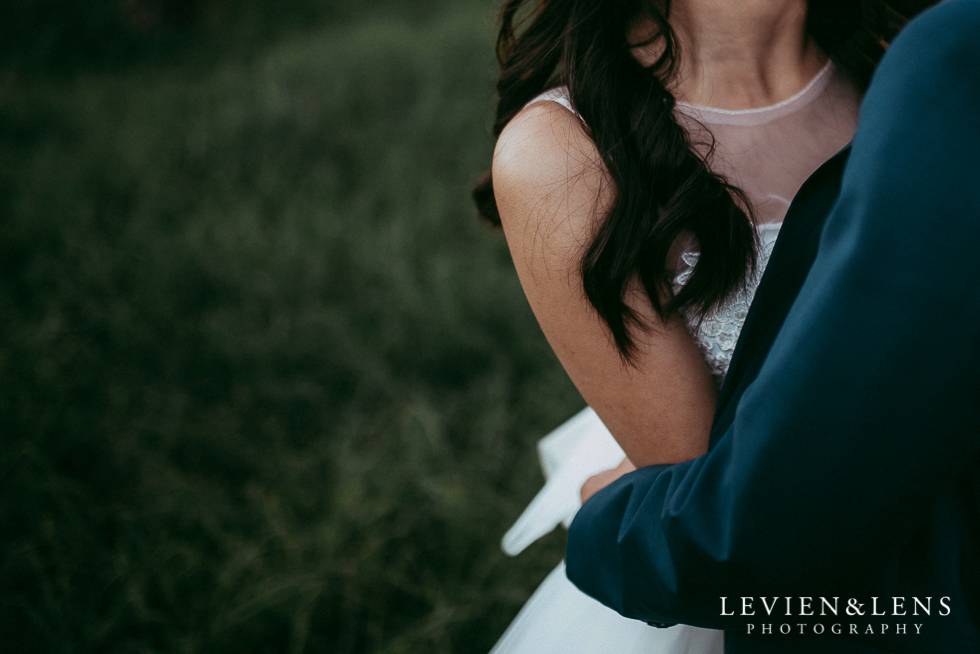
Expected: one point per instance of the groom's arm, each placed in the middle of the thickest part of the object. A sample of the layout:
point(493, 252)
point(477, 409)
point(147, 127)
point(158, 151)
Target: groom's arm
point(866, 407)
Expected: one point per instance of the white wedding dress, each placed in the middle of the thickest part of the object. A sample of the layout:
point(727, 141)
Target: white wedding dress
point(768, 153)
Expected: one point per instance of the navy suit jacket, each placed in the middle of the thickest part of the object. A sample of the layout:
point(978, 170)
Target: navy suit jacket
point(845, 458)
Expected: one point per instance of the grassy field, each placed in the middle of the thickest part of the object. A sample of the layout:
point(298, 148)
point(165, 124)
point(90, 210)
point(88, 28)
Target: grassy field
point(266, 383)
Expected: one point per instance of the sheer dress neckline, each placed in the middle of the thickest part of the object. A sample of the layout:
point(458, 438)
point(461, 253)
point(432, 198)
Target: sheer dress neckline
point(761, 115)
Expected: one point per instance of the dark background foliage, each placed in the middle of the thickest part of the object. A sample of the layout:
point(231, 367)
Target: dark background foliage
point(266, 385)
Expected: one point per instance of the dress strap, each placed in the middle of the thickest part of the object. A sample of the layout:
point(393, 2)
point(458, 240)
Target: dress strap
point(558, 94)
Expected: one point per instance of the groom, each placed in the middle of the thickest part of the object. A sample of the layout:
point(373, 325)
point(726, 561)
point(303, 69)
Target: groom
point(838, 509)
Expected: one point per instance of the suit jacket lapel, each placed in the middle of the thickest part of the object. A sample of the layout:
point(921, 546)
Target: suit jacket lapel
point(792, 257)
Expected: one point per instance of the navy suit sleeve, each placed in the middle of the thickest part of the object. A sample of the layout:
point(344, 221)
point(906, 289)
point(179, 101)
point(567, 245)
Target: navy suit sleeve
point(866, 406)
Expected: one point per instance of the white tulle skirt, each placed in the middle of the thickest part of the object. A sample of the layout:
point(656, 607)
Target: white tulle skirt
point(559, 618)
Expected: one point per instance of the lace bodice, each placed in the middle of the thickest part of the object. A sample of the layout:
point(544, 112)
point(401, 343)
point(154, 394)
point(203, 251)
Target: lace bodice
point(768, 153)
point(718, 333)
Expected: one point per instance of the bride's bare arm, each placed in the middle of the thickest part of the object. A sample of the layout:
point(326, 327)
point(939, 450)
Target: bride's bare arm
point(550, 186)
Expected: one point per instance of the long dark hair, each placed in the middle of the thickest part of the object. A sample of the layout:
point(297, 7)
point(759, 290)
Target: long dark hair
point(663, 187)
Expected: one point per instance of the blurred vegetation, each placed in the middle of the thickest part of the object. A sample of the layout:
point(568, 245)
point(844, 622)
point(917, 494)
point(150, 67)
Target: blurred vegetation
point(64, 36)
point(266, 384)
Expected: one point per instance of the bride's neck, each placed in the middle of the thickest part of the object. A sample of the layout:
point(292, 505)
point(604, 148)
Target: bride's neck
point(742, 54)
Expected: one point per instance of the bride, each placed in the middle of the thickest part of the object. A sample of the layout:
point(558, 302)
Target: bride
point(647, 152)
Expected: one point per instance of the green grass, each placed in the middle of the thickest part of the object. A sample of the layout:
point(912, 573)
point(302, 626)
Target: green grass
point(266, 384)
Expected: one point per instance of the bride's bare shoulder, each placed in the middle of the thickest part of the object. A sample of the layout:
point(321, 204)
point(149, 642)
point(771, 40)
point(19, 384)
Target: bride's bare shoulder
point(546, 167)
